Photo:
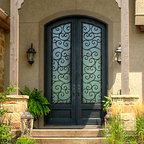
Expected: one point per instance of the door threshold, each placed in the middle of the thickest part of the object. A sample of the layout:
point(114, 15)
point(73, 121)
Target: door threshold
point(73, 127)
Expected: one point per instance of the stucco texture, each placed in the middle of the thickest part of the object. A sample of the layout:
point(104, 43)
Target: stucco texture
point(35, 13)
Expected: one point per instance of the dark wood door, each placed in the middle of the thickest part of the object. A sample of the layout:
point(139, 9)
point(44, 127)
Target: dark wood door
point(75, 70)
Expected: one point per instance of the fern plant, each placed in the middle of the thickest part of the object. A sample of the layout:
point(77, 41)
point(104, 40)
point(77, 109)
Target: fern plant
point(37, 104)
point(107, 103)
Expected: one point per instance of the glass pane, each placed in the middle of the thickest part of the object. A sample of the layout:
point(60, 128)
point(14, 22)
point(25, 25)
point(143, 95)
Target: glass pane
point(91, 64)
point(61, 49)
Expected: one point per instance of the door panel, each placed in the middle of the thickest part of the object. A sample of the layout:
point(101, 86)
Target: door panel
point(91, 43)
point(75, 71)
point(58, 75)
point(61, 47)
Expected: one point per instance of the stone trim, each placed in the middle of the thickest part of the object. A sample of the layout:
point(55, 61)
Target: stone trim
point(119, 2)
point(125, 96)
point(18, 97)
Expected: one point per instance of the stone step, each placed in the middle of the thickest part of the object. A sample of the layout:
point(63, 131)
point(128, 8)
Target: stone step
point(71, 133)
point(98, 140)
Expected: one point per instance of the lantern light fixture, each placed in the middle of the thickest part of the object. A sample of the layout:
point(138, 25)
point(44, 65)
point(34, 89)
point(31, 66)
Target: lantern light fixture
point(118, 54)
point(30, 54)
point(26, 123)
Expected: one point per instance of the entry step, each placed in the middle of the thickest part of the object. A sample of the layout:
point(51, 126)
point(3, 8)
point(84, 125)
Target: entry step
point(65, 133)
point(70, 140)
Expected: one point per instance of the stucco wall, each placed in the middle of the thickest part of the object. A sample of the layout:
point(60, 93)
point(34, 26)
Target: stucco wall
point(35, 13)
point(136, 58)
point(5, 5)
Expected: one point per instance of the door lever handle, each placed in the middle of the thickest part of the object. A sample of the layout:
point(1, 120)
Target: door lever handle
point(74, 89)
point(79, 90)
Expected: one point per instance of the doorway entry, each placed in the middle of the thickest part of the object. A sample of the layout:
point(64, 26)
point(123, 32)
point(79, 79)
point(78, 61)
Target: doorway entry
point(75, 76)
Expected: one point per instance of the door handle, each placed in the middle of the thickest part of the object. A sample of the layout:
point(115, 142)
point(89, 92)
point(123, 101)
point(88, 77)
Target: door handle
point(79, 90)
point(74, 89)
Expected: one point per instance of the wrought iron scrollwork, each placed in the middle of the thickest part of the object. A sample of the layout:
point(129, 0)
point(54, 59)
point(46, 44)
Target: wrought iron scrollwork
point(91, 43)
point(61, 49)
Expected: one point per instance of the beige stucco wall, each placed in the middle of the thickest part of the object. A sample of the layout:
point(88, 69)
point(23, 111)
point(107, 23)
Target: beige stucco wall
point(5, 5)
point(35, 13)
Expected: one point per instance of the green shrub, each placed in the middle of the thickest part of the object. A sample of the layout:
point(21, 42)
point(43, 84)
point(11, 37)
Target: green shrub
point(140, 128)
point(37, 104)
point(5, 134)
point(114, 132)
point(25, 140)
point(5, 130)
point(107, 103)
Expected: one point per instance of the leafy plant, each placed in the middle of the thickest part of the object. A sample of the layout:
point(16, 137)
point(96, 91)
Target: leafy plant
point(107, 103)
point(5, 130)
point(5, 134)
point(25, 140)
point(114, 133)
point(3, 98)
point(140, 128)
point(37, 104)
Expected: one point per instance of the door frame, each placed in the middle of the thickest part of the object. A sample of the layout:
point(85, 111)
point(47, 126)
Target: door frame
point(68, 13)
point(104, 54)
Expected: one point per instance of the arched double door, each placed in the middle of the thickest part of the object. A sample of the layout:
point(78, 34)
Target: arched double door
point(75, 70)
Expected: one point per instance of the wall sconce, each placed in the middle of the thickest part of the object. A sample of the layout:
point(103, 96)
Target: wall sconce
point(118, 54)
point(30, 54)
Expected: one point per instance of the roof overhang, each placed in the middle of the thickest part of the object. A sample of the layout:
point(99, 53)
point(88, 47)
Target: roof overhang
point(4, 20)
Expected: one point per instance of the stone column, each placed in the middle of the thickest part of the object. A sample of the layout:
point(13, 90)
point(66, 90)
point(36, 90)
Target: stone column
point(125, 47)
point(124, 5)
point(15, 5)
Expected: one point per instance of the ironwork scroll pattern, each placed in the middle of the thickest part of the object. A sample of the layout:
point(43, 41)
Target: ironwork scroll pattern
point(91, 63)
point(61, 43)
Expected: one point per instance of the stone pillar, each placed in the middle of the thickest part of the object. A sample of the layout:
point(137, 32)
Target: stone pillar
point(124, 5)
point(125, 47)
point(15, 5)
point(125, 106)
point(2, 46)
point(16, 105)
